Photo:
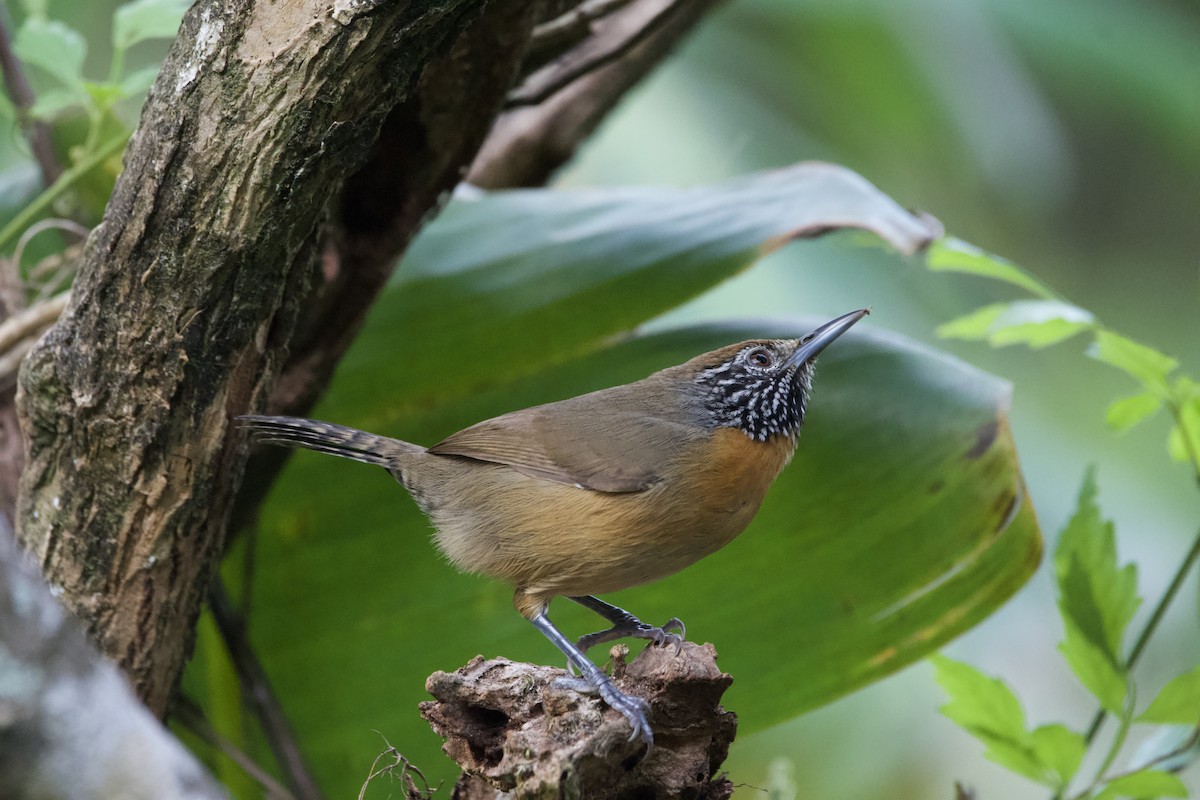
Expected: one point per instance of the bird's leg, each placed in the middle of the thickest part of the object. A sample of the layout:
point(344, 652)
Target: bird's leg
point(626, 624)
point(632, 708)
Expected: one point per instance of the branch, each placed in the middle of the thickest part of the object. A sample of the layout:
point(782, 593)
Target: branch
point(69, 724)
point(256, 689)
point(21, 93)
point(560, 104)
point(512, 729)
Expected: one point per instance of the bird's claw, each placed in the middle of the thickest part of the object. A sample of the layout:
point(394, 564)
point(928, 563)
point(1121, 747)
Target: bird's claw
point(661, 636)
point(635, 710)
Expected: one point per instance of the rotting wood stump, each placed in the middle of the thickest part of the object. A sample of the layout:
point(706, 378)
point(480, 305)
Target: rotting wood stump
point(517, 731)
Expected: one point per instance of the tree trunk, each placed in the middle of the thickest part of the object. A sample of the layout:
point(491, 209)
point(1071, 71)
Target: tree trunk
point(188, 298)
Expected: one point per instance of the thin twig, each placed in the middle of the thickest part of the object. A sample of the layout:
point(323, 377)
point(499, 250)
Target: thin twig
point(191, 717)
point(1188, 743)
point(18, 89)
point(18, 334)
point(398, 760)
point(257, 690)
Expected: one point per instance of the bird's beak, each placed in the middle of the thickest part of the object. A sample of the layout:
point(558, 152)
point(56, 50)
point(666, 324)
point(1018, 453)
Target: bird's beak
point(819, 339)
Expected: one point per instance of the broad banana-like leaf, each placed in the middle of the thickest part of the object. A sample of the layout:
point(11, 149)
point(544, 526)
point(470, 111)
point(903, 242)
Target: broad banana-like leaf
point(502, 284)
point(901, 522)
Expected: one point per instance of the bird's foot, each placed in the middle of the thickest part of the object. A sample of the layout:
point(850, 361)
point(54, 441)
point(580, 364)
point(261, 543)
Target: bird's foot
point(636, 629)
point(634, 709)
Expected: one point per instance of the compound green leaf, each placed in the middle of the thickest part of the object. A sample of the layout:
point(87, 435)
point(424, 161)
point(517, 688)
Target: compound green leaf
point(987, 709)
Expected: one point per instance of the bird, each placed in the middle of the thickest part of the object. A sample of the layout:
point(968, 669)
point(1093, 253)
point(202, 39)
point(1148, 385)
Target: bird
point(603, 491)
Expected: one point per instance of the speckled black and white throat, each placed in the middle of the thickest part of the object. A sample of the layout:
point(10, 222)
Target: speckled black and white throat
point(760, 403)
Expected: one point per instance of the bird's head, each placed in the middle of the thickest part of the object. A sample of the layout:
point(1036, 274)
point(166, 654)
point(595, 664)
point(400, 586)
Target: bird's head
point(761, 386)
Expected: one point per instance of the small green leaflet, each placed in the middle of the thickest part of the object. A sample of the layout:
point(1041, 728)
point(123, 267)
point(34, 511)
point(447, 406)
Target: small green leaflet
point(1183, 443)
point(146, 19)
point(1097, 599)
point(954, 255)
point(1147, 783)
point(52, 46)
point(1178, 702)
point(1145, 364)
point(987, 709)
point(1036, 323)
point(1123, 414)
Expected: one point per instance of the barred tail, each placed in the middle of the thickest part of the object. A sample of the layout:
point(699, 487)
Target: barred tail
point(326, 437)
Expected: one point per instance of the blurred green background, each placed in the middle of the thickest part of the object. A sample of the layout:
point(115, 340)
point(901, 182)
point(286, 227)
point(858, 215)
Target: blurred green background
point(1065, 136)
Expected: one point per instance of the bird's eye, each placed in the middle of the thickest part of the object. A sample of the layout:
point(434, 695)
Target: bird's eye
point(760, 357)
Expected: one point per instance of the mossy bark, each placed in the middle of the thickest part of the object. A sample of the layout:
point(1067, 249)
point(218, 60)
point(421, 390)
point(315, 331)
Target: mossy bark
point(189, 296)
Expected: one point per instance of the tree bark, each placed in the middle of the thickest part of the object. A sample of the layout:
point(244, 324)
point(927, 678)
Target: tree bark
point(518, 733)
point(188, 298)
point(559, 105)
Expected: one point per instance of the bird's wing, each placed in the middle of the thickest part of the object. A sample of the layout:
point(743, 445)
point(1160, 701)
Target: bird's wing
point(609, 451)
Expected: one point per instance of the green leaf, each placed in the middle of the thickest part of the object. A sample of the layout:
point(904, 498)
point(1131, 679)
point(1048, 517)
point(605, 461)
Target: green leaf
point(1094, 668)
point(1059, 748)
point(954, 255)
point(136, 84)
point(972, 327)
point(1097, 598)
point(987, 709)
point(1036, 323)
point(103, 95)
point(1178, 702)
point(54, 47)
point(140, 20)
point(978, 702)
point(51, 104)
point(537, 276)
point(1183, 443)
point(1144, 785)
point(1123, 414)
point(1144, 364)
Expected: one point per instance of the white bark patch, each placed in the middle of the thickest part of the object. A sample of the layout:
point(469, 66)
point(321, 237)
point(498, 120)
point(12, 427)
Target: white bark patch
point(207, 39)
